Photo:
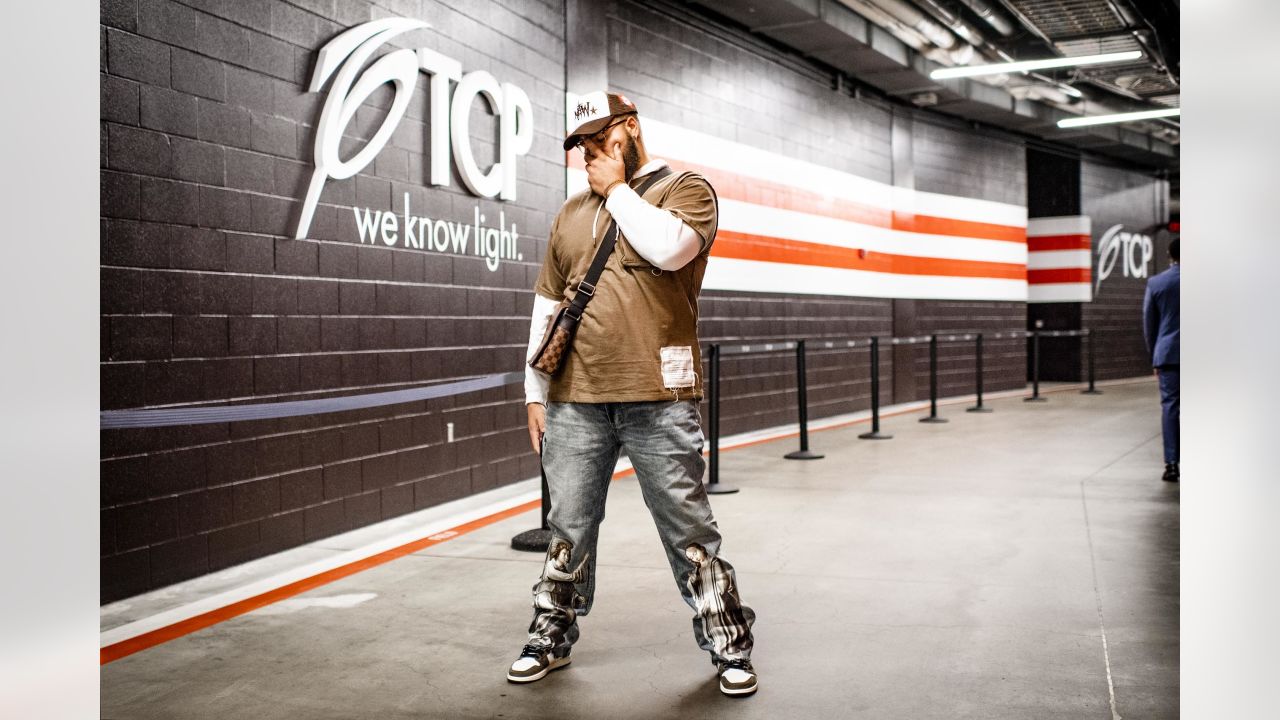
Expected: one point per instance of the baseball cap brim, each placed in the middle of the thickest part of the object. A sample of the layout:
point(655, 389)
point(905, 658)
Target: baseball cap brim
point(596, 110)
point(587, 128)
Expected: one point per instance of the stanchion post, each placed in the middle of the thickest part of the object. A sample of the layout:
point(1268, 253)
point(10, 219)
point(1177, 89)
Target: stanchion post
point(1035, 368)
point(1092, 390)
point(714, 486)
point(539, 538)
point(875, 433)
point(933, 383)
point(978, 377)
point(802, 390)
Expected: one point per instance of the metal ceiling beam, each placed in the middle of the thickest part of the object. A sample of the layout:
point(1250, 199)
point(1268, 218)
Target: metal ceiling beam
point(1100, 35)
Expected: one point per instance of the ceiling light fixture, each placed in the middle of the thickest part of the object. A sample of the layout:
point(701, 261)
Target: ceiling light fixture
point(1027, 65)
point(1118, 117)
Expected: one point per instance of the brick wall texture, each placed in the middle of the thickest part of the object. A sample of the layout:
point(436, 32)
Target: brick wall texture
point(207, 137)
point(1110, 196)
point(206, 140)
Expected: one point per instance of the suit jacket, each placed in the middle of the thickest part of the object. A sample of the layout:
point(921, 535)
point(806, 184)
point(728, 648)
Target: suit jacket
point(1160, 316)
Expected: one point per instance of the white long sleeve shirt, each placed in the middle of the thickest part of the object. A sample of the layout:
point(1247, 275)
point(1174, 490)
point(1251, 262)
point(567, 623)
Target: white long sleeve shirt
point(661, 238)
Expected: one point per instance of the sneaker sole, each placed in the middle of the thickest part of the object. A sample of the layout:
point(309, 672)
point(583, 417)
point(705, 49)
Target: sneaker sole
point(739, 691)
point(554, 664)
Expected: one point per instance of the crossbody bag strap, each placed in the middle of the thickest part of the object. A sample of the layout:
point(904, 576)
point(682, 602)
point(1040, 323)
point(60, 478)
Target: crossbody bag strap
point(587, 288)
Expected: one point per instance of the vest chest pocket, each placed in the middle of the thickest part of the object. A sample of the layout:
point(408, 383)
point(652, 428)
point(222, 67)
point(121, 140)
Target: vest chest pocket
point(631, 259)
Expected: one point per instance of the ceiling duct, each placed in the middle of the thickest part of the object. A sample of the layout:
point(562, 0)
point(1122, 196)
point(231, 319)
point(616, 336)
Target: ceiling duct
point(992, 16)
point(917, 29)
point(904, 33)
point(913, 18)
point(955, 24)
point(1039, 91)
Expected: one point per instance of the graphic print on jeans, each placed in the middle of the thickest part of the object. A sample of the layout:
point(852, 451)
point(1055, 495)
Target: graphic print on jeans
point(722, 621)
point(556, 601)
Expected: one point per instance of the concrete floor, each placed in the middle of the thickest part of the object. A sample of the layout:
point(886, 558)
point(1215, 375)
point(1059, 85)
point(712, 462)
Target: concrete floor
point(1020, 564)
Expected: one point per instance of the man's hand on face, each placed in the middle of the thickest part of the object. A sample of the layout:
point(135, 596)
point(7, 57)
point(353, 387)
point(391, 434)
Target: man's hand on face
point(604, 170)
point(537, 425)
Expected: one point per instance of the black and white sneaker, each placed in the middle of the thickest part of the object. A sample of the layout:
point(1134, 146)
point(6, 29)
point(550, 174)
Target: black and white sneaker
point(534, 663)
point(737, 677)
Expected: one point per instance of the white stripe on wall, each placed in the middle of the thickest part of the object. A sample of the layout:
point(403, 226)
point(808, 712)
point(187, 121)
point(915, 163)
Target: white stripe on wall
point(1060, 225)
point(1059, 292)
point(678, 144)
point(1054, 259)
point(755, 276)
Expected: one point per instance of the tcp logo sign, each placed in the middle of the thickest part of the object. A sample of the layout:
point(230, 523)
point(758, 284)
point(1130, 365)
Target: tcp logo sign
point(1135, 250)
point(340, 63)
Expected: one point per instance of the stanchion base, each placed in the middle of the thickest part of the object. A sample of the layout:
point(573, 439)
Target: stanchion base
point(535, 540)
point(720, 489)
point(1090, 392)
point(803, 455)
point(933, 419)
point(1035, 399)
point(979, 408)
point(875, 436)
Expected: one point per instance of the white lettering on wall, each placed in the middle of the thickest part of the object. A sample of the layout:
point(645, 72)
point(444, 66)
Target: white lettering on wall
point(342, 58)
point(1134, 249)
point(420, 232)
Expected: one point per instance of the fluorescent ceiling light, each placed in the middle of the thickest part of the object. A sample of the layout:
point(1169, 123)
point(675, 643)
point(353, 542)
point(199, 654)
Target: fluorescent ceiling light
point(1118, 117)
point(1026, 65)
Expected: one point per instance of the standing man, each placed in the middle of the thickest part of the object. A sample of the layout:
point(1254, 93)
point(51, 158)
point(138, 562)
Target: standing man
point(1160, 327)
point(632, 379)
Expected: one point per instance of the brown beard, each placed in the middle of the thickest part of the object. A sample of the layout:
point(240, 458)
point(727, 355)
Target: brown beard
point(630, 158)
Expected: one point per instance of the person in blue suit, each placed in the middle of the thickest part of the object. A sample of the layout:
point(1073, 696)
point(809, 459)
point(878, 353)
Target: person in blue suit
point(1160, 327)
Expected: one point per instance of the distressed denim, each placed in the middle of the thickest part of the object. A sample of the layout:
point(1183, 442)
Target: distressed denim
point(664, 442)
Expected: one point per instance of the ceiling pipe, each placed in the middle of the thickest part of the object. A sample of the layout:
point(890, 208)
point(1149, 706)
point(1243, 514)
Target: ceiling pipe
point(955, 24)
point(913, 18)
point(992, 16)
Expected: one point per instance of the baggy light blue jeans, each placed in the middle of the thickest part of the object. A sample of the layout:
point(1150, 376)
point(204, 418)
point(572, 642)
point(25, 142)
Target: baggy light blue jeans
point(664, 442)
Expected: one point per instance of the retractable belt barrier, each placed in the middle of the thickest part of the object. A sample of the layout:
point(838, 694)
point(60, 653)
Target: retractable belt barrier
point(803, 347)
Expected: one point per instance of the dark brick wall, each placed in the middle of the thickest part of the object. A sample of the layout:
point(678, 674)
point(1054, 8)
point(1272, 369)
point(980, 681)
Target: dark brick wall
point(207, 136)
point(1113, 195)
point(953, 160)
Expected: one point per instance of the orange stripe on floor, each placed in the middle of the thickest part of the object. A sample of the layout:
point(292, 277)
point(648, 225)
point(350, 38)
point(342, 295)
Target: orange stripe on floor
point(125, 648)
